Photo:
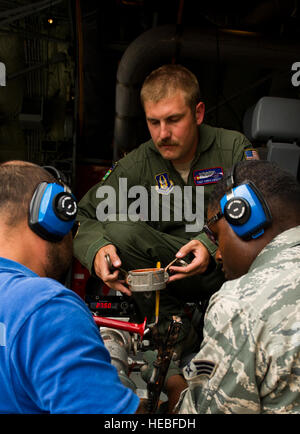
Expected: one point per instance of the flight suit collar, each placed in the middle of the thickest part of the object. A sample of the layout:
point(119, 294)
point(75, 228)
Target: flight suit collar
point(205, 141)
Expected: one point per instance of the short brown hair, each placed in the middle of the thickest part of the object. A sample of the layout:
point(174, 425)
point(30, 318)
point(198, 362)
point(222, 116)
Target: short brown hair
point(18, 181)
point(166, 80)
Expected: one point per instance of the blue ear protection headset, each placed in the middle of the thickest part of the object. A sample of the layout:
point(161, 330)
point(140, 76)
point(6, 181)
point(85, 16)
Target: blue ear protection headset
point(245, 208)
point(52, 211)
point(58, 175)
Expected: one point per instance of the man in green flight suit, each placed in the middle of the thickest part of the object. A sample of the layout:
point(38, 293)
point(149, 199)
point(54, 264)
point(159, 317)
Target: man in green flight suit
point(172, 174)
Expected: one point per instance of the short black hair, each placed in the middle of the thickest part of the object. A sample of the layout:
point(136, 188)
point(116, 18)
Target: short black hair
point(278, 187)
point(17, 185)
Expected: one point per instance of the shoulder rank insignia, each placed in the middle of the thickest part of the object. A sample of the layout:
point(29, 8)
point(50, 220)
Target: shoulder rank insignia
point(251, 154)
point(163, 184)
point(199, 367)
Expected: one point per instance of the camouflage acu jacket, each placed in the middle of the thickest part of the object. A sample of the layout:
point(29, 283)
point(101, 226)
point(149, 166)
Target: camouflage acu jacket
point(249, 361)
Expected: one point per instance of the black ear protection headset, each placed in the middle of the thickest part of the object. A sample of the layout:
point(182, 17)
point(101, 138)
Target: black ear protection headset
point(245, 208)
point(53, 209)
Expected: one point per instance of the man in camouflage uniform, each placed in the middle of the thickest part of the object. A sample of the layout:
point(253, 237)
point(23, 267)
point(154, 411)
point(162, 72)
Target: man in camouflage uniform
point(249, 360)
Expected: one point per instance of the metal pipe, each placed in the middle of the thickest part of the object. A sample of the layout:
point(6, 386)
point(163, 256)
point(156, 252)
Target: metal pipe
point(15, 14)
point(118, 344)
point(21, 9)
point(30, 35)
point(59, 58)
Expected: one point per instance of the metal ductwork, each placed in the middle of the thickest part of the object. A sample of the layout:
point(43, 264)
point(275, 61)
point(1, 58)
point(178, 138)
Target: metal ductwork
point(162, 44)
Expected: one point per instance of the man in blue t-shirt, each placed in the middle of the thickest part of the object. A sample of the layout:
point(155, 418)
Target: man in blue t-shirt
point(52, 356)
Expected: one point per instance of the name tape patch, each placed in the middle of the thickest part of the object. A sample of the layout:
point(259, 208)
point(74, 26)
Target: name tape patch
point(208, 176)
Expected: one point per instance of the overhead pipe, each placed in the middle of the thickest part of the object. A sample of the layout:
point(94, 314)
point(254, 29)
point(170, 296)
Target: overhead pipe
point(158, 46)
point(57, 58)
point(14, 14)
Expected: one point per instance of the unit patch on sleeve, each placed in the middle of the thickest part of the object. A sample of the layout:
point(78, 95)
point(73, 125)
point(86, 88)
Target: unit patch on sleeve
point(208, 176)
point(163, 184)
point(251, 154)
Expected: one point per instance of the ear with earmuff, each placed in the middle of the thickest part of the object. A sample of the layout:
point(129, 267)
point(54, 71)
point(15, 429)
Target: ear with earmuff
point(52, 211)
point(245, 208)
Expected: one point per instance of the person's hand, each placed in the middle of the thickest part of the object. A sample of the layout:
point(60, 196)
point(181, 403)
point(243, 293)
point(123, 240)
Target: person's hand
point(110, 278)
point(198, 265)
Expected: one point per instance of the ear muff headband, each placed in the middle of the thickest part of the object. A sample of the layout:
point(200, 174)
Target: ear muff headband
point(59, 176)
point(245, 208)
point(52, 211)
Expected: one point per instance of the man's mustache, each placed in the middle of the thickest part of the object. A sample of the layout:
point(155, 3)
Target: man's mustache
point(167, 143)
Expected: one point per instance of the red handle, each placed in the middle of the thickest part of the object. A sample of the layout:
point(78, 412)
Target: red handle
point(121, 325)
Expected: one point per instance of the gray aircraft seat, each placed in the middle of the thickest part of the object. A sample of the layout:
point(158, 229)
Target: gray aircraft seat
point(277, 122)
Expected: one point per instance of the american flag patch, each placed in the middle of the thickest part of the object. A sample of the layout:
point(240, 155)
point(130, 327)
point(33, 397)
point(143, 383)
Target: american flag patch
point(251, 154)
